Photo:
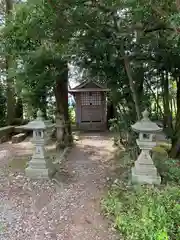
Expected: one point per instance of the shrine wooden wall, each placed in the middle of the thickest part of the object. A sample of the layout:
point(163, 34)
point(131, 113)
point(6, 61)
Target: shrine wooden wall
point(91, 110)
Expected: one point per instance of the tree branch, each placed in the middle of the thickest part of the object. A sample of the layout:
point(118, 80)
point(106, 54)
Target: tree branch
point(132, 87)
point(158, 28)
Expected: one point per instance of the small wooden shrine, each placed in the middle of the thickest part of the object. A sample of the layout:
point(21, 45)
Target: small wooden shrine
point(91, 106)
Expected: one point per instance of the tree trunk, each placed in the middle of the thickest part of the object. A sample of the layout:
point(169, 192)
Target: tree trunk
point(156, 99)
point(175, 149)
point(139, 86)
point(44, 104)
point(166, 101)
point(174, 104)
point(10, 81)
point(132, 87)
point(61, 95)
point(111, 112)
point(19, 108)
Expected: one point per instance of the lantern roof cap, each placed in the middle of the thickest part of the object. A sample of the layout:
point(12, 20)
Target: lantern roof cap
point(38, 123)
point(146, 125)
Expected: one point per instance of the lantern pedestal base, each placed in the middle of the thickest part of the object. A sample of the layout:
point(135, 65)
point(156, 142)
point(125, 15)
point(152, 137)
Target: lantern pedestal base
point(144, 171)
point(38, 168)
point(37, 173)
point(140, 178)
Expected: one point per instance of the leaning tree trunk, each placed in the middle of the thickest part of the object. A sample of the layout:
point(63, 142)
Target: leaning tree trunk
point(175, 149)
point(61, 95)
point(132, 87)
point(9, 80)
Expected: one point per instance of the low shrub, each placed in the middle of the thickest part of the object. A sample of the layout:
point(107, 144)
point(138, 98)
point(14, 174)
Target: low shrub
point(72, 115)
point(169, 169)
point(20, 121)
point(144, 213)
point(165, 146)
point(159, 150)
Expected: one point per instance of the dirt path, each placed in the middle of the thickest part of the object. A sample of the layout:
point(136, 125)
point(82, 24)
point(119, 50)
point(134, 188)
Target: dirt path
point(34, 210)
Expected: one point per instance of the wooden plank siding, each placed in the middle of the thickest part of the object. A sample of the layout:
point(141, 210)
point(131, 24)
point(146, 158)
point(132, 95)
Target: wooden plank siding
point(90, 106)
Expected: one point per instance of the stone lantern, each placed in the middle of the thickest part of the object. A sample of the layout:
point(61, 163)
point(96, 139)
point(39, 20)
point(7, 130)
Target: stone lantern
point(38, 164)
point(144, 171)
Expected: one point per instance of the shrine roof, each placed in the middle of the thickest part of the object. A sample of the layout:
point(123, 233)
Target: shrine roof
point(89, 86)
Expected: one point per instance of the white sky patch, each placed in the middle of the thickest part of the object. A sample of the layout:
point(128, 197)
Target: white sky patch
point(75, 75)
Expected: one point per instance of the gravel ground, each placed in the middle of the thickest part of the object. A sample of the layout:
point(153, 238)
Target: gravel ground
point(35, 210)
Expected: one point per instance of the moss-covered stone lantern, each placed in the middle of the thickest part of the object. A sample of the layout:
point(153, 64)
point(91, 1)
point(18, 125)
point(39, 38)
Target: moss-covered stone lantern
point(37, 167)
point(144, 171)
